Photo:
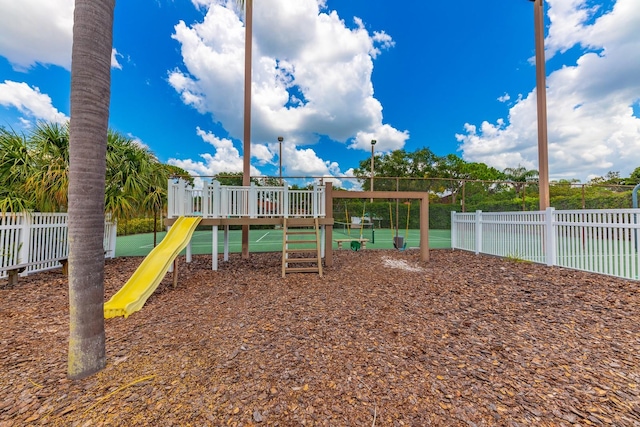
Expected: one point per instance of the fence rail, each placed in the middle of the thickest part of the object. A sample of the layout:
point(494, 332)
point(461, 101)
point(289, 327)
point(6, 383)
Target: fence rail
point(229, 201)
point(40, 239)
point(598, 241)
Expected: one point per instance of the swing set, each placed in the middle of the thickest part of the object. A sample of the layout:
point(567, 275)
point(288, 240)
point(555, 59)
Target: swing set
point(423, 207)
point(355, 244)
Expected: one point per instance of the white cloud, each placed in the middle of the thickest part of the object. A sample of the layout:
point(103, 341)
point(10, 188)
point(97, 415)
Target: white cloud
point(226, 158)
point(311, 76)
point(592, 128)
point(114, 59)
point(387, 139)
point(504, 98)
point(36, 31)
point(29, 101)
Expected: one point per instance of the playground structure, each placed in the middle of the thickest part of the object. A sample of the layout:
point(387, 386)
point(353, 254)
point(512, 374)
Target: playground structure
point(225, 206)
point(306, 217)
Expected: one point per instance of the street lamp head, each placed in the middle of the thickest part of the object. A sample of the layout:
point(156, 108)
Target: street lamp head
point(373, 142)
point(280, 139)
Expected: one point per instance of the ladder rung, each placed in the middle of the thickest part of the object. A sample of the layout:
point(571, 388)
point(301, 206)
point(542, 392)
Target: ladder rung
point(302, 270)
point(295, 260)
point(300, 251)
point(301, 241)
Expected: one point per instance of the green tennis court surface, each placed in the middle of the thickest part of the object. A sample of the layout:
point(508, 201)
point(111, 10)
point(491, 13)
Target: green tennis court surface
point(270, 240)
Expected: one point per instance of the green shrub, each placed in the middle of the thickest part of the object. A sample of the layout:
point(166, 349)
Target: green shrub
point(137, 226)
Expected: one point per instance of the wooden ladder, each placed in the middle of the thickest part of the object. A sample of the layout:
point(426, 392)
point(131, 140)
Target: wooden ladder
point(297, 240)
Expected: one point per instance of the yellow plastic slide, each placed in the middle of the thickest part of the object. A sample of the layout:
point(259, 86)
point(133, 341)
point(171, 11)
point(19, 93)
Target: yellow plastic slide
point(152, 270)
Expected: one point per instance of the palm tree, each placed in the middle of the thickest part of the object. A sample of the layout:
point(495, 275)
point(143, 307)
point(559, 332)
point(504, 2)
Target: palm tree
point(90, 96)
point(130, 167)
point(50, 178)
point(15, 166)
point(520, 176)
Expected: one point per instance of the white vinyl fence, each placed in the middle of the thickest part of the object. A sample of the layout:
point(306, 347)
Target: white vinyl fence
point(40, 239)
point(599, 241)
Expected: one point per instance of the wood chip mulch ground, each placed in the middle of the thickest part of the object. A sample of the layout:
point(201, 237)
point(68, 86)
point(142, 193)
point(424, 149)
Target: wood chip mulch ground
point(380, 340)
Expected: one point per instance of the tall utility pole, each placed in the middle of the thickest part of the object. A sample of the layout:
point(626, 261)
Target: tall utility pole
point(280, 139)
point(246, 164)
point(373, 143)
point(541, 91)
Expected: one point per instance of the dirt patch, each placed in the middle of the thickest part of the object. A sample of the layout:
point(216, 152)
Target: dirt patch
point(381, 340)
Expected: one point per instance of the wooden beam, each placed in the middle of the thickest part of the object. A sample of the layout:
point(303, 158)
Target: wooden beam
point(380, 195)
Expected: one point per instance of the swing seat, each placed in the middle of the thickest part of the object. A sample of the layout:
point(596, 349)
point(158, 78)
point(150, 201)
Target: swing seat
point(399, 243)
point(355, 245)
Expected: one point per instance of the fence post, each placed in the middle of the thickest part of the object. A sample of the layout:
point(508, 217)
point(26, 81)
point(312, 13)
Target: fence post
point(111, 250)
point(550, 236)
point(285, 201)
point(215, 194)
point(453, 229)
point(170, 197)
point(314, 202)
point(253, 201)
point(25, 238)
point(181, 197)
point(206, 199)
point(478, 232)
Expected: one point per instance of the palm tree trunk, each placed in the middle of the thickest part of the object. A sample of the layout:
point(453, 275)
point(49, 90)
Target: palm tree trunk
point(90, 96)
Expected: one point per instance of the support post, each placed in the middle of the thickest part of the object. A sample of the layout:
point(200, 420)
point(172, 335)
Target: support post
point(454, 227)
point(424, 228)
point(478, 232)
point(226, 243)
point(328, 234)
point(25, 238)
point(541, 92)
point(549, 237)
point(214, 247)
point(111, 250)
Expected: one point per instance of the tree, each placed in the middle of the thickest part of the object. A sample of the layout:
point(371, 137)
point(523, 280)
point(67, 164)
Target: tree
point(460, 175)
point(50, 178)
point(520, 176)
point(397, 163)
point(229, 178)
point(634, 178)
point(15, 166)
point(90, 96)
point(134, 178)
point(35, 169)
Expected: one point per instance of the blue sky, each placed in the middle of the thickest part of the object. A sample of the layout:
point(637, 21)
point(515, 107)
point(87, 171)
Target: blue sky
point(330, 75)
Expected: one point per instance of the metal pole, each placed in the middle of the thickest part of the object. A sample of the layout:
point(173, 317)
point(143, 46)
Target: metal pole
point(280, 139)
point(373, 143)
point(541, 90)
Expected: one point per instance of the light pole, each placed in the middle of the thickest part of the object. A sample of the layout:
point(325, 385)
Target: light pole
point(541, 91)
point(373, 143)
point(280, 139)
